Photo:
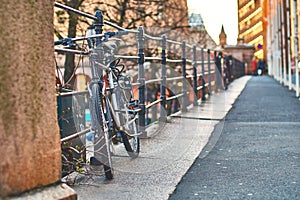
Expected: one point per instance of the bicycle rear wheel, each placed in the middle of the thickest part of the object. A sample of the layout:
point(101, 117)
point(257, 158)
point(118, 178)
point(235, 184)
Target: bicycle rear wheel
point(101, 140)
point(131, 143)
point(130, 135)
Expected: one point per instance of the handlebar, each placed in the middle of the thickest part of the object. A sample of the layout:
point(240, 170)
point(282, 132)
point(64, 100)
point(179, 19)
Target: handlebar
point(110, 34)
point(65, 41)
point(105, 36)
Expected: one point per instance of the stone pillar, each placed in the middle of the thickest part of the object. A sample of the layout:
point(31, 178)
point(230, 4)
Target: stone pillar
point(30, 141)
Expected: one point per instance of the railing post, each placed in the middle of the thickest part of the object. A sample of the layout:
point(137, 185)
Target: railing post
point(203, 98)
point(195, 75)
point(146, 101)
point(184, 98)
point(141, 81)
point(98, 25)
point(297, 78)
point(163, 109)
point(296, 45)
point(230, 68)
point(208, 78)
point(216, 71)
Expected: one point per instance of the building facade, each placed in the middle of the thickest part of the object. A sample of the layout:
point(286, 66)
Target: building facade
point(198, 35)
point(252, 25)
point(283, 41)
point(157, 17)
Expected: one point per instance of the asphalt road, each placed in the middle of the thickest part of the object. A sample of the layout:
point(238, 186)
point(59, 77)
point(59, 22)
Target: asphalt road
point(256, 154)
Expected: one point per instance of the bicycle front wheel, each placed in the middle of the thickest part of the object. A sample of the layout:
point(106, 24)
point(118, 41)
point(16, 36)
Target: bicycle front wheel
point(102, 153)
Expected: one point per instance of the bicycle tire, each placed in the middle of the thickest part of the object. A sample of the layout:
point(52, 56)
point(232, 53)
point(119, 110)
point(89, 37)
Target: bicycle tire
point(101, 141)
point(131, 143)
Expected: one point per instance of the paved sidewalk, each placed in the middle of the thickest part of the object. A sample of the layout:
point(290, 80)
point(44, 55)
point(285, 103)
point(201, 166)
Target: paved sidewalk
point(255, 154)
point(166, 156)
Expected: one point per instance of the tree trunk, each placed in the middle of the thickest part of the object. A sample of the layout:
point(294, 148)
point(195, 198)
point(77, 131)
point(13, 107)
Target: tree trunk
point(69, 77)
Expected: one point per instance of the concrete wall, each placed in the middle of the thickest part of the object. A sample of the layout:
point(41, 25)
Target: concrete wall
point(30, 142)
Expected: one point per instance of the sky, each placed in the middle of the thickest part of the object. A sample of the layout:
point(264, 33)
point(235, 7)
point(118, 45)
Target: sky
point(215, 13)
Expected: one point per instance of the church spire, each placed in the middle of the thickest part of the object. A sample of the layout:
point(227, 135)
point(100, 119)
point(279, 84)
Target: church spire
point(222, 30)
point(222, 37)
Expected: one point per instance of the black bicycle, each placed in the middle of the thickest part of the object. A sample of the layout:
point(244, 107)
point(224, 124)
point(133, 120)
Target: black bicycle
point(112, 107)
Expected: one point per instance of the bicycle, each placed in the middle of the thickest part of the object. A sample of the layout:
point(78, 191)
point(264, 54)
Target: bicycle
point(112, 107)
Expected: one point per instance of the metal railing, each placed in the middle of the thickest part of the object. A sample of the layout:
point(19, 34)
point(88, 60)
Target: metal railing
point(194, 75)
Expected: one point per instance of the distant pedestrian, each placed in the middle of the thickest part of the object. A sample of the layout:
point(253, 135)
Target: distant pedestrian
point(260, 66)
point(254, 66)
point(218, 62)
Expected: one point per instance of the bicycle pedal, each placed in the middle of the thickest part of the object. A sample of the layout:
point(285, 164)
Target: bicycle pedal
point(134, 111)
point(117, 139)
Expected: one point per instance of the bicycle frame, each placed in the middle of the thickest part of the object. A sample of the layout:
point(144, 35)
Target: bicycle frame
point(112, 109)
